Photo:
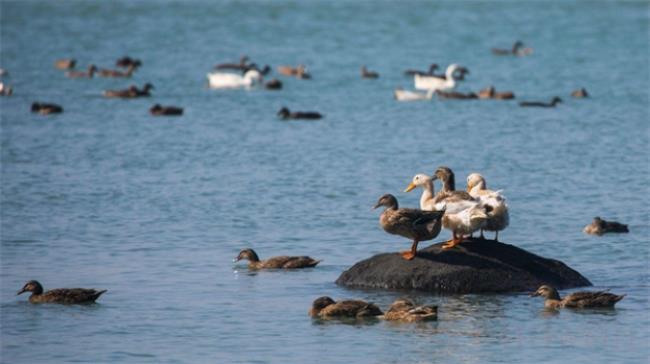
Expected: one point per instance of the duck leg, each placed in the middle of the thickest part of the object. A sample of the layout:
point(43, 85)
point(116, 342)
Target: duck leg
point(482, 236)
point(453, 242)
point(496, 236)
point(410, 254)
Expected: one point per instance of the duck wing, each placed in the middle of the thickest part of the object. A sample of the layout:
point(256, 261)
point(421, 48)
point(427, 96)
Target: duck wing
point(300, 262)
point(591, 299)
point(71, 295)
point(351, 308)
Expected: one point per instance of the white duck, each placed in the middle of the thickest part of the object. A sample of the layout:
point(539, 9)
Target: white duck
point(233, 80)
point(406, 95)
point(427, 82)
point(498, 217)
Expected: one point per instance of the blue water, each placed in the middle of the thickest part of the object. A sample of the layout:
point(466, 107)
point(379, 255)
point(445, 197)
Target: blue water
point(154, 209)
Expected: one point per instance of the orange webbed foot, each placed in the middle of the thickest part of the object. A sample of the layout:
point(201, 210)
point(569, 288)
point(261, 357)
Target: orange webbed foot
point(408, 255)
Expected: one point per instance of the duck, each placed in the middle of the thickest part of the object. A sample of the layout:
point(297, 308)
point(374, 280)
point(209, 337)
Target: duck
point(368, 74)
point(498, 216)
point(464, 214)
point(428, 192)
point(126, 62)
point(405, 310)
point(285, 114)
point(490, 93)
point(553, 102)
point(456, 95)
point(273, 84)
point(580, 93)
point(241, 66)
point(117, 74)
point(325, 307)
point(159, 110)
point(517, 49)
point(428, 82)
point(46, 109)
point(81, 74)
point(432, 68)
point(145, 92)
point(130, 93)
point(232, 80)
point(5, 90)
point(65, 296)
point(599, 227)
point(405, 95)
point(298, 72)
point(65, 64)
point(600, 299)
point(281, 262)
point(414, 224)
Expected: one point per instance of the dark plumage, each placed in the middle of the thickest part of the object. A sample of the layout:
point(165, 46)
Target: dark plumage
point(118, 74)
point(325, 307)
point(65, 64)
point(413, 224)
point(158, 110)
point(81, 74)
point(126, 62)
point(580, 93)
point(601, 299)
point(456, 95)
point(490, 93)
point(368, 74)
point(516, 50)
point(46, 109)
point(599, 227)
point(553, 102)
point(273, 84)
point(241, 66)
point(284, 113)
point(60, 295)
point(281, 262)
point(432, 68)
point(131, 92)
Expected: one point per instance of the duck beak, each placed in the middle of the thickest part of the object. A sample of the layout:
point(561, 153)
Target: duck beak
point(376, 206)
point(533, 294)
point(236, 259)
point(410, 187)
point(21, 291)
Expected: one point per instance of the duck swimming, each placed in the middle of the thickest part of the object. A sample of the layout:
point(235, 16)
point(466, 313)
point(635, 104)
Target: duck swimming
point(490, 93)
point(368, 74)
point(81, 74)
point(130, 93)
point(517, 49)
point(552, 300)
point(325, 307)
point(116, 73)
point(46, 109)
point(580, 93)
point(159, 110)
point(60, 295)
point(65, 64)
point(432, 68)
point(232, 80)
point(273, 84)
point(241, 66)
point(428, 82)
point(285, 114)
point(600, 227)
point(498, 217)
point(413, 224)
point(5, 90)
point(405, 95)
point(406, 311)
point(281, 262)
point(298, 72)
point(456, 95)
point(553, 102)
point(126, 62)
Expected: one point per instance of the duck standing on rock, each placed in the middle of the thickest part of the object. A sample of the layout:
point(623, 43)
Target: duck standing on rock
point(325, 307)
point(601, 299)
point(60, 295)
point(498, 217)
point(281, 262)
point(600, 227)
point(404, 310)
point(410, 223)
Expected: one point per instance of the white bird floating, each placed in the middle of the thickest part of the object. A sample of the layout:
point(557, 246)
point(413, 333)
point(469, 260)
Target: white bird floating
point(406, 95)
point(428, 82)
point(233, 80)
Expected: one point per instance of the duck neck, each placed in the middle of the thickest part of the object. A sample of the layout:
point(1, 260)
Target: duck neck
point(427, 194)
point(449, 75)
point(449, 184)
point(478, 187)
point(252, 257)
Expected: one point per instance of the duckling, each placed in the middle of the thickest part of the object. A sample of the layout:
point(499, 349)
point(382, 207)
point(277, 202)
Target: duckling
point(405, 311)
point(126, 62)
point(368, 74)
point(81, 74)
point(498, 217)
point(600, 227)
point(241, 66)
point(281, 262)
point(601, 299)
point(410, 223)
point(273, 84)
point(284, 113)
point(490, 93)
point(553, 102)
point(61, 295)
point(580, 93)
point(455, 95)
point(65, 64)
point(432, 68)
point(158, 110)
point(46, 109)
point(325, 307)
point(118, 74)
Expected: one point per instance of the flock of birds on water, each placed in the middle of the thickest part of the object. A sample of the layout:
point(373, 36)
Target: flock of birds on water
point(462, 212)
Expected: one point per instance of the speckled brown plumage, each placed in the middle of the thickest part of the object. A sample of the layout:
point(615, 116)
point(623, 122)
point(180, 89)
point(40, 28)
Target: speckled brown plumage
point(406, 311)
point(448, 191)
point(600, 299)
point(60, 295)
point(280, 262)
point(599, 227)
point(325, 307)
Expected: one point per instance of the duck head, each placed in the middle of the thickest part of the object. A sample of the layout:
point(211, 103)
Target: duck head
point(518, 45)
point(418, 180)
point(148, 87)
point(319, 304)
point(284, 113)
point(474, 180)
point(446, 176)
point(243, 59)
point(547, 292)
point(247, 254)
point(36, 107)
point(156, 107)
point(555, 100)
point(31, 286)
point(388, 201)
point(433, 67)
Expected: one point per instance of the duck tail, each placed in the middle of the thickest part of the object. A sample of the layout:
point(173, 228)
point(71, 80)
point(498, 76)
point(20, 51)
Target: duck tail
point(98, 293)
point(314, 263)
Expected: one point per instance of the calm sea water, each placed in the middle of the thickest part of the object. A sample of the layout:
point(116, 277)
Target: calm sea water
point(155, 209)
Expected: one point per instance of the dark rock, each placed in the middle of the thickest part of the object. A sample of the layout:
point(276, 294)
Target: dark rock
point(475, 266)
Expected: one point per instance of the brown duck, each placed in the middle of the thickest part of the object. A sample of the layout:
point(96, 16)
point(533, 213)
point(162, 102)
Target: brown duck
point(159, 110)
point(365, 73)
point(66, 296)
point(325, 307)
point(281, 262)
point(46, 109)
point(81, 74)
point(406, 311)
point(600, 227)
point(410, 223)
point(601, 299)
point(116, 73)
point(65, 64)
point(491, 93)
